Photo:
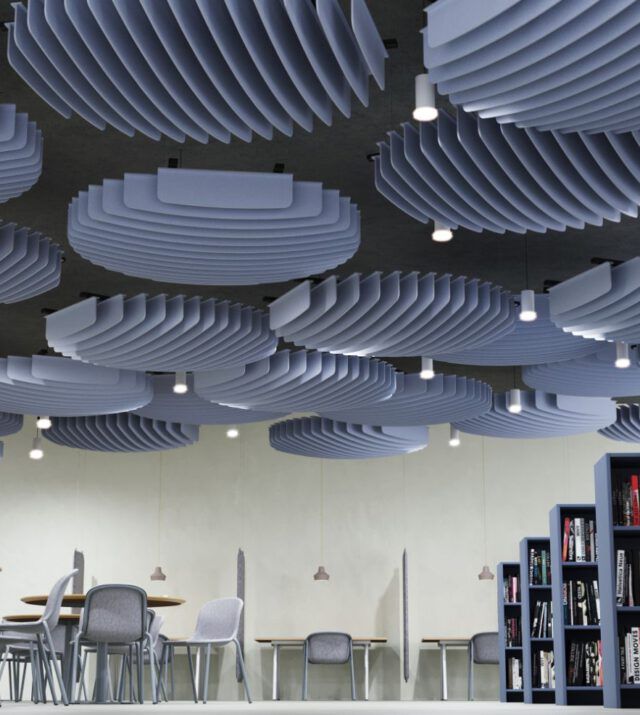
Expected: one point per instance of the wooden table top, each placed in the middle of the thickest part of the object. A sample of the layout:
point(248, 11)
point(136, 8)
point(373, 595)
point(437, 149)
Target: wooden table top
point(77, 600)
point(293, 640)
point(443, 639)
point(30, 617)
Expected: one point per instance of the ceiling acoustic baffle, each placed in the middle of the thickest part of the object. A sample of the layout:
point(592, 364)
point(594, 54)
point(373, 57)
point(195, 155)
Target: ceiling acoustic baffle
point(45, 385)
point(205, 227)
point(541, 414)
point(530, 343)
point(302, 381)
point(626, 427)
point(30, 263)
point(394, 314)
point(551, 64)
point(192, 409)
point(484, 176)
point(10, 423)
point(161, 333)
point(197, 69)
point(602, 303)
point(124, 432)
point(330, 439)
point(444, 398)
point(20, 153)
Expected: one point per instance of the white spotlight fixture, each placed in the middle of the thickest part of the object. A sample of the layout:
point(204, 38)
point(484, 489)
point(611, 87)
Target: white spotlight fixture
point(527, 306)
point(180, 386)
point(426, 110)
point(233, 432)
point(623, 359)
point(514, 401)
point(36, 451)
point(454, 436)
point(43, 422)
point(426, 369)
point(441, 233)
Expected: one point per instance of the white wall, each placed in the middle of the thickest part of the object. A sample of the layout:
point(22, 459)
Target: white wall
point(190, 509)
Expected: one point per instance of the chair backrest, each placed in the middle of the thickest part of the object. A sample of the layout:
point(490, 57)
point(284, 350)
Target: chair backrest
point(115, 613)
point(219, 619)
point(154, 626)
point(54, 600)
point(328, 648)
point(485, 648)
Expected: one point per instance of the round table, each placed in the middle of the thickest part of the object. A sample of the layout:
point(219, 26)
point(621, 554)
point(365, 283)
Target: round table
point(65, 618)
point(76, 600)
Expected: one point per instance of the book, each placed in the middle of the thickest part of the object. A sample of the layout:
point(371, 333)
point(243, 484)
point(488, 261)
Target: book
point(635, 501)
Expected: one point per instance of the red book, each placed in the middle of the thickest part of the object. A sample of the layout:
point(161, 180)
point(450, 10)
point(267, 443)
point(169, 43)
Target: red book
point(565, 540)
point(635, 500)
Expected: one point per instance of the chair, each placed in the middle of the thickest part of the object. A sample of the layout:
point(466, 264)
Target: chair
point(115, 615)
point(217, 625)
point(38, 634)
point(327, 648)
point(483, 650)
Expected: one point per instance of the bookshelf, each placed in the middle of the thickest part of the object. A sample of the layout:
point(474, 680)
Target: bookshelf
point(610, 473)
point(532, 647)
point(508, 608)
point(568, 638)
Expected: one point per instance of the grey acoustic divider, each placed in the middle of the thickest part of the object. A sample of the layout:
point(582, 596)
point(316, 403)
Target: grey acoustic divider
point(406, 664)
point(210, 227)
point(626, 428)
point(47, 385)
point(240, 593)
point(300, 381)
point(394, 314)
point(444, 398)
point(506, 648)
point(483, 176)
point(124, 432)
point(197, 69)
point(78, 578)
point(161, 333)
point(552, 64)
point(329, 439)
point(20, 153)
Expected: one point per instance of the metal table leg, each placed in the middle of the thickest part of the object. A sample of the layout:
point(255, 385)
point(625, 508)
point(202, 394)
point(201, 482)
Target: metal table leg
point(366, 671)
point(67, 658)
point(443, 671)
point(275, 689)
point(102, 674)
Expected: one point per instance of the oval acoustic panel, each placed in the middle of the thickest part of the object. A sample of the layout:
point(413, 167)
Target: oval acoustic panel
point(444, 398)
point(602, 303)
point(44, 385)
point(192, 409)
point(594, 375)
point(122, 432)
point(30, 263)
point(161, 333)
point(10, 423)
point(529, 343)
point(552, 64)
point(213, 227)
point(626, 427)
point(543, 414)
point(200, 68)
point(394, 314)
point(20, 153)
point(483, 176)
point(330, 439)
point(299, 381)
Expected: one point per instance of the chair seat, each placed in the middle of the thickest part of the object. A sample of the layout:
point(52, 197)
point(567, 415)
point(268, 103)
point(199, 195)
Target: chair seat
point(201, 641)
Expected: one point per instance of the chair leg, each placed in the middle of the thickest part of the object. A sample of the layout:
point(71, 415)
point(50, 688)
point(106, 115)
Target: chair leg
point(81, 685)
point(470, 674)
point(305, 673)
point(207, 667)
point(121, 678)
point(24, 678)
point(172, 674)
point(152, 670)
point(193, 677)
point(140, 663)
point(353, 675)
point(243, 672)
point(56, 665)
point(44, 656)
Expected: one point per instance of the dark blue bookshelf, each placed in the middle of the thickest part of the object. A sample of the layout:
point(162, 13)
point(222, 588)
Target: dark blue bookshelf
point(609, 471)
point(530, 593)
point(564, 634)
point(506, 610)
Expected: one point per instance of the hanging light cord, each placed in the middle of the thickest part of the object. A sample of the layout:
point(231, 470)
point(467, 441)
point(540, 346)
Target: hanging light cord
point(322, 511)
point(484, 501)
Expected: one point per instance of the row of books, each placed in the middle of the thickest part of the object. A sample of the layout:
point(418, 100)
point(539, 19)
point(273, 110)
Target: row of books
point(542, 621)
point(539, 567)
point(543, 675)
point(581, 603)
point(628, 577)
point(514, 673)
point(579, 541)
point(626, 501)
point(629, 640)
point(584, 666)
point(511, 589)
point(513, 631)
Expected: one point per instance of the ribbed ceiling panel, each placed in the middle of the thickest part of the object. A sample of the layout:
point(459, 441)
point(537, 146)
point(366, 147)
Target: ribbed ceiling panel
point(20, 153)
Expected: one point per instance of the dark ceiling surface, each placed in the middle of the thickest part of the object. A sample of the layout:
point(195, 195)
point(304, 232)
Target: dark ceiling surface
point(76, 155)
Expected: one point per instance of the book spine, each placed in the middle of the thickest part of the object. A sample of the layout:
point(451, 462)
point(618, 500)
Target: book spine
point(565, 538)
point(635, 500)
point(620, 573)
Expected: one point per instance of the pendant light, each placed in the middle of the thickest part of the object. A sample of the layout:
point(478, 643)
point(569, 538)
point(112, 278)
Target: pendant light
point(233, 432)
point(36, 451)
point(454, 436)
point(180, 386)
point(528, 311)
point(425, 96)
point(426, 369)
point(441, 233)
point(43, 422)
point(514, 401)
point(321, 574)
point(485, 572)
point(623, 357)
point(158, 574)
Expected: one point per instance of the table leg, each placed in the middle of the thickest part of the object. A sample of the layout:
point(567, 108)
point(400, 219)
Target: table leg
point(443, 672)
point(200, 673)
point(275, 689)
point(67, 659)
point(102, 673)
point(366, 671)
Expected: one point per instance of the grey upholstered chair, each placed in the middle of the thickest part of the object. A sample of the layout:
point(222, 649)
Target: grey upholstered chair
point(327, 648)
point(116, 615)
point(41, 631)
point(217, 625)
point(483, 650)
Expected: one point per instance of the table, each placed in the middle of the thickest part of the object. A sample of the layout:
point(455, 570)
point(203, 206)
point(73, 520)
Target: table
point(76, 600)
point(443, 644)
point(277, 643)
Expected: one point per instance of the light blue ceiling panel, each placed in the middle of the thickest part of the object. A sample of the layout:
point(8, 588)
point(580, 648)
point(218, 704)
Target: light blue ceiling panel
point(626, 427)
point(20, 153)
point(10, 423)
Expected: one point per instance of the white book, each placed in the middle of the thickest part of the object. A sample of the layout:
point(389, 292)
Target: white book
point(620, 569)
point(579, 531)
point(596, 592)
point(635, 654)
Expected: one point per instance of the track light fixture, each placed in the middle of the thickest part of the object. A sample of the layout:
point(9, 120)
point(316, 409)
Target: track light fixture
point(514, 401)
point(426, 369)
point(527, 306)
point(623, 357)
point(425, 107)
point(454, 436)
point(43, 422)
point(36, 451)
point(441, 233)
point(180, 386)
